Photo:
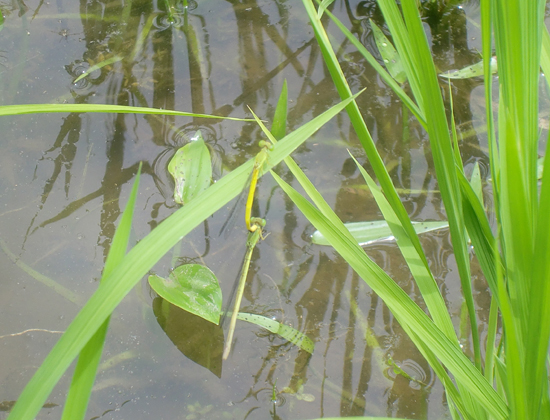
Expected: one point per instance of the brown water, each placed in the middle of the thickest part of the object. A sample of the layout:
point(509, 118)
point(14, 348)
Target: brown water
point(65, 179)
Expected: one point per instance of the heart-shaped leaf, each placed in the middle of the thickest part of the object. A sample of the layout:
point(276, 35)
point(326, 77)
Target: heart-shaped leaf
point(191, 169)
point(192, 287)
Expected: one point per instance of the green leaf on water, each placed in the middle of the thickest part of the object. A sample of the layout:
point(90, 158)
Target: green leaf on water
point(291, 334)
point(474, 70)
point(193, 288)
point(366, 233)
point(389, 54)
point(191, 169)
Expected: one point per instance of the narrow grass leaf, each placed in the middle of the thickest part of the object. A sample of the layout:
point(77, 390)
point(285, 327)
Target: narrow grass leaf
point(322, 7)
point(366, 233)
point(487, 51)
point(389, 54)
point(114, 59)
point(490, 346)
point(380, 70)
point(120, 109)
point(480, 233)
point(410, 58)
point(304, 181)
point(278, 128)
point(422, 275)
point(88, 360)
point(538, 333)
point(139, 261)
point(360, 128)
point(443, 155)
point(545, 55)
point(518, 28)
point(452, 394)
point(514, 371)
point(402, 306)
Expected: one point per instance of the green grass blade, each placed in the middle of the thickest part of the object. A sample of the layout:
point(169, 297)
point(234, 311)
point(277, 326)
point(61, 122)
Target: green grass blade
point(545, 53)
point(120, 109)
point(517, 158)
point(88, 360)
point(278, 128)
point(487, 45)
point(421, 64)
point(538, 318)
point(492, 327)
point(323, 6)
point(480, 233)
point(366, 233)
point(312, 191)
point(114, 59)
point(410, 58)
point(422, 275)
point(361, 129)
point(139, 261)
point(389, 54)
point(402, 306)
point(518, 28)
point(380, 70)
point(538, 334)
point(514, 378)
point(445, 164)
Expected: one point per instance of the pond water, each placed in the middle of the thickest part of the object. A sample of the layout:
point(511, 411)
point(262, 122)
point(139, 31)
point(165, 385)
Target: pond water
point(65, 179)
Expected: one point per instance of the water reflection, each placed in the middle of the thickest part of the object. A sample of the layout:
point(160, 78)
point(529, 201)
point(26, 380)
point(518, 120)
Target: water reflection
point(66, 178)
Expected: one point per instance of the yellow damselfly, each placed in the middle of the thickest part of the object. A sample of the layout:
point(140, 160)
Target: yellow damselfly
point(259, 162)
point(254, 235)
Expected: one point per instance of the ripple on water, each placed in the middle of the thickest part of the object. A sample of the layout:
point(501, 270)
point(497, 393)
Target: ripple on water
point(164, 21)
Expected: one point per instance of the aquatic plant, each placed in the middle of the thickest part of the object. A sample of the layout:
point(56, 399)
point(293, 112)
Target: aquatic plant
point(511, 381)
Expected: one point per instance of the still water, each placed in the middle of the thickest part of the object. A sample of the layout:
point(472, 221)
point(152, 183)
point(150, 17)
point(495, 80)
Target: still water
point(64, 180)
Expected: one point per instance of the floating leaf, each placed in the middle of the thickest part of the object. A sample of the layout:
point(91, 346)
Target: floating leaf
point(291, 334)
point(191, 169)
point(474, 70)
point(389, 54)
point(193, 288)
point(377, 230)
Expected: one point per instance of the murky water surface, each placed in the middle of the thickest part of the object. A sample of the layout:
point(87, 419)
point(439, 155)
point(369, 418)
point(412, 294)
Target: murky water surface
point(64, 180)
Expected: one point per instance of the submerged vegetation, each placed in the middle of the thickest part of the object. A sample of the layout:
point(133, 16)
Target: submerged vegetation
point(498, 373)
